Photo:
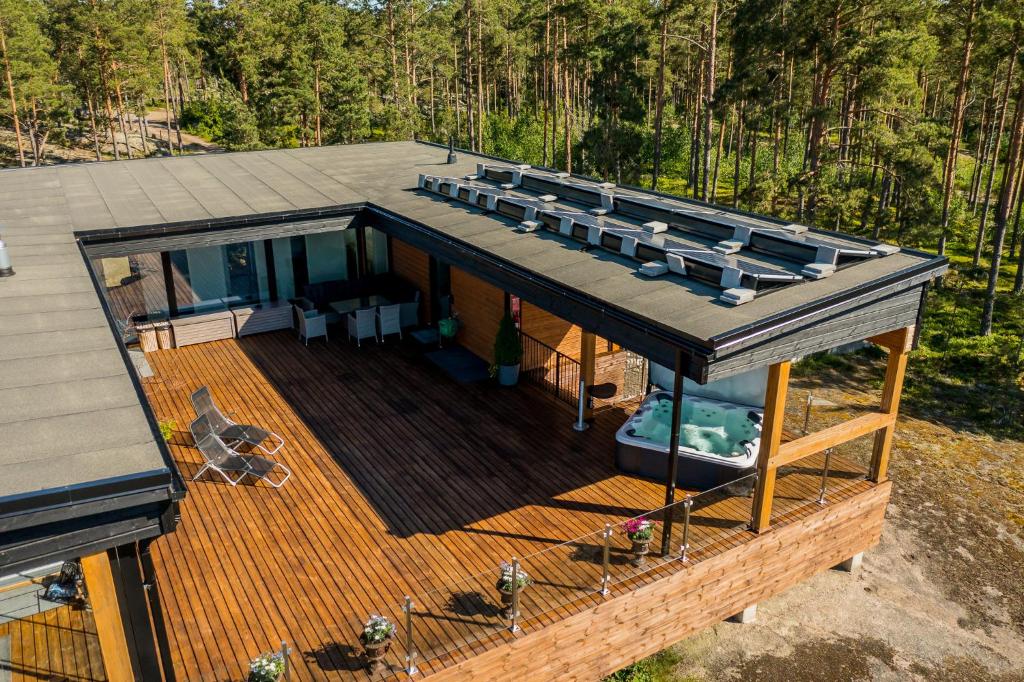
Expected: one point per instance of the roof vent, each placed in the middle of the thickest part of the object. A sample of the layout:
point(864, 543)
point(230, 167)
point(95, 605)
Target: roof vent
point(728, 247)
point(528, 226)
point(655, 227)
point(737, 296)
point(818, 270)
point(653, 268)
point(452, 158)
point(547, 198)
point(5, 261)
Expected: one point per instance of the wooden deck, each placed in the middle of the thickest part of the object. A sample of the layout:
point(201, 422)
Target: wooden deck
point(405, 483)
point(59, 644)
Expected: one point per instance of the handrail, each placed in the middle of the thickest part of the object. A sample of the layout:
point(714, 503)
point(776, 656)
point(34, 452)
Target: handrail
point(538, 355)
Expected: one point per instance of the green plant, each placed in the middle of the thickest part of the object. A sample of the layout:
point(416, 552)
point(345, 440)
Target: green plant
point(167, 427)
point(508, 347)
point(377, 629)
point(266, 667)
point(522, 578)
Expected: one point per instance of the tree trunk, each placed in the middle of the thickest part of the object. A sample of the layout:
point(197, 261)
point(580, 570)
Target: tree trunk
point(709, 99)
point(659, 100)
point(739, 154)
point(956, 128)
point(120, 118)
point(13, 99)
point(1014, 243)
point(1006, 198)
point(468, 65)
point(994, 161)
point(318, 139)
point(92, 123)
point(167, 95)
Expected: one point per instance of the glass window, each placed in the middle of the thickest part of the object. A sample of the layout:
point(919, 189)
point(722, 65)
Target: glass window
point(283, 270)
point(331, 255)
point(134, 285)
point(376, 252)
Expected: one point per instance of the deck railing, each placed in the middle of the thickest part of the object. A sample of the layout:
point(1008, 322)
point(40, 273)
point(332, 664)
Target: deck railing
point(550, 369)
point(587, 566)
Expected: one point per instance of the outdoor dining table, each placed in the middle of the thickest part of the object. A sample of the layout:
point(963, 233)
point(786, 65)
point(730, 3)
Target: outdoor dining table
point(350, 305)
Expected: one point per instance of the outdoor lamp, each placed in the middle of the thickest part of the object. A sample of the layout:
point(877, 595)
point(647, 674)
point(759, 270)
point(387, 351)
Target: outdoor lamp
point(5, 261)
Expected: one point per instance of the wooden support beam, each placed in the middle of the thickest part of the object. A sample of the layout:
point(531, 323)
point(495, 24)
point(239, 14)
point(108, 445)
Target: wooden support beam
point(588, 351)
point(894, 373)
point(99, 583)
point(771, 438)
point(835, 435)
point(898, 340)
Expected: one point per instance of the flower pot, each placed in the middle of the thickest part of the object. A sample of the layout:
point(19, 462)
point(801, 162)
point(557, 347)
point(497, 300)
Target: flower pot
point(506, 604)
point(508, 375)
point(147, 337)
point(375, 653)
point(164, 335)
point(641, 548)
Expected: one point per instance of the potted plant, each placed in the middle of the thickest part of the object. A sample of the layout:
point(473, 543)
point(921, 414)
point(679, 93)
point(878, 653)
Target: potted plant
point(505, 583)
point(167, 427)
point(639, 532)
point(376, 638)
point(267, 667)
point(508, 351)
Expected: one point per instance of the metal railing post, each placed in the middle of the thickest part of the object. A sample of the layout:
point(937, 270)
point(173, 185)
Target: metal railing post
point(285, 653)
point(410, 648)
point(581, 425)
point(515, 596)
point(824, 476)
point(605, 562)
point(687, 503)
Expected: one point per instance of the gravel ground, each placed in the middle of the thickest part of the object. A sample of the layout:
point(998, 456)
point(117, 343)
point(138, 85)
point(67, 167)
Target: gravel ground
point(940, 598)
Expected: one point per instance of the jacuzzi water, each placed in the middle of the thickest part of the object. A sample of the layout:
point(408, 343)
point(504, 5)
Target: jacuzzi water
point(705, 426)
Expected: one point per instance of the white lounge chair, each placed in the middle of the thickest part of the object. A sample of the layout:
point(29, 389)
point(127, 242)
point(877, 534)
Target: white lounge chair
point(229, 431)
point(389, 320)
point(362, 324)
point(225, 461)
point(311, 326)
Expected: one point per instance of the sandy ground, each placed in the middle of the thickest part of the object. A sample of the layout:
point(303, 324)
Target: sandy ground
point(940, 598)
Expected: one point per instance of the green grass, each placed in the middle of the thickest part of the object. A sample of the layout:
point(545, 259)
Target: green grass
point(658, 668)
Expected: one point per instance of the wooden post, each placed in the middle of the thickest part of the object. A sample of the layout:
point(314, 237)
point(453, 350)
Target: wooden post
point(771, 438)
point(588, 351)
point(99, 582)
point(898, 343)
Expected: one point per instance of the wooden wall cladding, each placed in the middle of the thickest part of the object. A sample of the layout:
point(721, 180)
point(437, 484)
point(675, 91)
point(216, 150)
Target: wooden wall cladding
point(480, 307)
point(634, 624)
point(413, 265)
point(552, 330)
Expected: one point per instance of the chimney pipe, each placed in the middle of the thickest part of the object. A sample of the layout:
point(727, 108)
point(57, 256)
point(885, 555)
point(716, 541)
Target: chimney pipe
point(452, 158)
point(5, 261)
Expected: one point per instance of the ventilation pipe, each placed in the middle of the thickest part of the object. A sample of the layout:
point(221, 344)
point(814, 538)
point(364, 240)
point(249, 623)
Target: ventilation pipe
point(5, 261)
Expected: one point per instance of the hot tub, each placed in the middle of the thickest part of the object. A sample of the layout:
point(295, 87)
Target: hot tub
point(718, 441)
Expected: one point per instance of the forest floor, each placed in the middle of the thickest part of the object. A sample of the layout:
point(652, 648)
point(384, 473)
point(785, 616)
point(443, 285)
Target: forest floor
point(940, 598)
point(81, 148)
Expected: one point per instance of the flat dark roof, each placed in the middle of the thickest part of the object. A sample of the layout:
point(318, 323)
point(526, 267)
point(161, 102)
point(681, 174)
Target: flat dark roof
point(70, 414)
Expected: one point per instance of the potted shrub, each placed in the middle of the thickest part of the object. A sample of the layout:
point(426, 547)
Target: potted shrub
point(506, 580)
point(508, 351)
point(266, 667)
point(639, 532)
point(376, 638)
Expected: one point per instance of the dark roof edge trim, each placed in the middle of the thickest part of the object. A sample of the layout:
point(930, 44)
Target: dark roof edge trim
point(908, 277)
point(116, 234)
point(176, 483)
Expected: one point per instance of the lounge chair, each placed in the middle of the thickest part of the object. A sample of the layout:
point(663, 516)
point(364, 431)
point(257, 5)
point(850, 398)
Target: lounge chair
point(230, 432)
point(226, 461)
point(362, 324)
point(389, 320)
point(310, 326)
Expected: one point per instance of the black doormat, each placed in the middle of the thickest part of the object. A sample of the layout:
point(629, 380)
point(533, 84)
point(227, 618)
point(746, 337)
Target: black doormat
point(460, 364)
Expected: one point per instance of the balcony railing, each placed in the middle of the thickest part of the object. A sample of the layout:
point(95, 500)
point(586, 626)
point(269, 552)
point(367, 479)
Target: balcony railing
point(550, 369)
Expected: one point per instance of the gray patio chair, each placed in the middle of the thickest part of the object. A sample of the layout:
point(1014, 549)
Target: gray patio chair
point(389, 320)
point(362, 324)
point(411, 312)
point(311, 326)
point(226, 461)
point(231, 432)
